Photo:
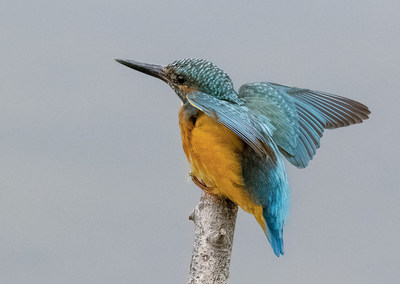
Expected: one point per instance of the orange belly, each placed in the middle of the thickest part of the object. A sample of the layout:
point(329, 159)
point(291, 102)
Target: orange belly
point(214, 154)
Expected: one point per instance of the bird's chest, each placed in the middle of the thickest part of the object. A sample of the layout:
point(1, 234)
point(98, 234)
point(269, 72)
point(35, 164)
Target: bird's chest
point(213, 151)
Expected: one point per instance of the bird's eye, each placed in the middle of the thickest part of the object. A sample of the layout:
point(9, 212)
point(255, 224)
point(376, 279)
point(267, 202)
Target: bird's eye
point(180, 79)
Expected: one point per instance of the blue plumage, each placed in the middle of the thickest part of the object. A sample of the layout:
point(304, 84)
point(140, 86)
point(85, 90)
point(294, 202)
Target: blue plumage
point(300, 116)
point(268, 185)
point(271, 121)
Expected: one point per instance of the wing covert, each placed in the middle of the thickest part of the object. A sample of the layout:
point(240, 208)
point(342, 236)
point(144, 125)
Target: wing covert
point(254, 129)
point(300, 116)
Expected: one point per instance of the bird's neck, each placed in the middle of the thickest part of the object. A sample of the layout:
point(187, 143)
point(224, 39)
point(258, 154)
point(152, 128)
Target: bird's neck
point(190, 111)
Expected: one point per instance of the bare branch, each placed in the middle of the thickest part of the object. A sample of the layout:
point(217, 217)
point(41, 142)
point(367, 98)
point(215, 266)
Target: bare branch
point(214, 228)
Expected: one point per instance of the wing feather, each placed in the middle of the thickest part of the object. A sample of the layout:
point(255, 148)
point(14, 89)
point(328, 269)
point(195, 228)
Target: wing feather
point(254, 129)
point(301, 115)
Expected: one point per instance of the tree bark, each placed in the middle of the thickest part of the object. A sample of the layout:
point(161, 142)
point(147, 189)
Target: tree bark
point(214, 221)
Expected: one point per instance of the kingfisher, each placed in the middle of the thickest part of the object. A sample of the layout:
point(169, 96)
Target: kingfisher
point(235, 141)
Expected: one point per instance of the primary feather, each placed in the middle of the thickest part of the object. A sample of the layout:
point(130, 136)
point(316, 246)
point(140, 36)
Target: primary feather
point(300, 116)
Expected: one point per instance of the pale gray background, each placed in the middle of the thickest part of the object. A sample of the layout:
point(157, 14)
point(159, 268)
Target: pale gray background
point(93, 185)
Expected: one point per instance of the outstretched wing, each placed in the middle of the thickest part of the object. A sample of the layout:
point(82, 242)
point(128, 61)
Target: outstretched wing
point(254, 129)
point(300, 116)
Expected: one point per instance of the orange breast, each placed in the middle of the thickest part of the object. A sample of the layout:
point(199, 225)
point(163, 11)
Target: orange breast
point(214, 153)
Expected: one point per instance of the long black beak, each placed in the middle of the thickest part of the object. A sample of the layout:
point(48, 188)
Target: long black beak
point(154, 70)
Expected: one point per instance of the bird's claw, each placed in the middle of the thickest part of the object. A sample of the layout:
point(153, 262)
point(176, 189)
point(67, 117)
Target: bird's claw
point(208, 190)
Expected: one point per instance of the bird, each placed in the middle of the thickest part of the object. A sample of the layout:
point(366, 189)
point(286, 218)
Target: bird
point(236, 141)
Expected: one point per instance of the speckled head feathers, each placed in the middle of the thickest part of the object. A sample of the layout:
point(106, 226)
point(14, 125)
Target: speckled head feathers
point(190, 75)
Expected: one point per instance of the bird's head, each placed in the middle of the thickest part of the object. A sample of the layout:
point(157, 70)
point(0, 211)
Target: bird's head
point(190, 75)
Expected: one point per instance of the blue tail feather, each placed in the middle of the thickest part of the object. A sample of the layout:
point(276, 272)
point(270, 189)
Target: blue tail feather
point(275, 238)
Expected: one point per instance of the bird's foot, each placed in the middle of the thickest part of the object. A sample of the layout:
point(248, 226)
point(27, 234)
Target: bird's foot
point(208, 190)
